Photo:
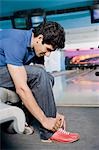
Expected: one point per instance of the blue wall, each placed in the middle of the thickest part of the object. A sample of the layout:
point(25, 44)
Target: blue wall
point(73, 20)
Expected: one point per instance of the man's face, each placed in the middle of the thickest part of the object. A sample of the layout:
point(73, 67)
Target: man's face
point(42, 49)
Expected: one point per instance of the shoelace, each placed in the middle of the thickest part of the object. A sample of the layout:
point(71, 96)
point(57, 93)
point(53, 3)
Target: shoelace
point(26, 125)
point(63, 131)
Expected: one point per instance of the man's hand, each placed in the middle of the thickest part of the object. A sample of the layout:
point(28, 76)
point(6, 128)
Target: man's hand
point(62, 119)
point(54, 124)
point(49, 123)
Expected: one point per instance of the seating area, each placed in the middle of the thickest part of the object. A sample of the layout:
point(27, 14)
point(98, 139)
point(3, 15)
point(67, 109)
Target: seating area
point(8, 112)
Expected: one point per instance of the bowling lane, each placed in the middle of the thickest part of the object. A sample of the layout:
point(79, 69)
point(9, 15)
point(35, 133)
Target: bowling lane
point(81, 89)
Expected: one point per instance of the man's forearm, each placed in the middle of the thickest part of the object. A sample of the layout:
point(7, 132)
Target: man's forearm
point(31, 104)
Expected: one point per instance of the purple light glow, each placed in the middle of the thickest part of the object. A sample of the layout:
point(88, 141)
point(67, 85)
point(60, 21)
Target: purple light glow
point(71, 53)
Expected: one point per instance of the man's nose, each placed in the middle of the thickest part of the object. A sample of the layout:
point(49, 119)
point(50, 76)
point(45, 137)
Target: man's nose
point(47, 54)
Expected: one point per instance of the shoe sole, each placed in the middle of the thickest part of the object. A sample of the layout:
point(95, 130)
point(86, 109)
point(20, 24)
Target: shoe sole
point(53, 141)
point(47, 141)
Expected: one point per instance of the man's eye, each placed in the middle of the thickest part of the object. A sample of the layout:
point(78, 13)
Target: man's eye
point(48, 49)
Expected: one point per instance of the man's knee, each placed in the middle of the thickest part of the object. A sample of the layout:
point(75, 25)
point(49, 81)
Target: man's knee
point(36, 75)
point(35, 69)
point(43, 72)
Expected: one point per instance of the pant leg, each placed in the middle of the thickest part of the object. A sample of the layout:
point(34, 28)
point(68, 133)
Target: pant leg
point(5, 79)
point(40, 84)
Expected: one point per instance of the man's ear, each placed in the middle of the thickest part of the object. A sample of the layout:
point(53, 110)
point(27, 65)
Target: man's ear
point(40, 37)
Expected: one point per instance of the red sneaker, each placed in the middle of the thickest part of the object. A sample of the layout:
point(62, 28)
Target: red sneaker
point(63, 136)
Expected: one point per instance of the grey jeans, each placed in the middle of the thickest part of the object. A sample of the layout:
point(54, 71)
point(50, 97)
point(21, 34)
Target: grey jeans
point(40, 83)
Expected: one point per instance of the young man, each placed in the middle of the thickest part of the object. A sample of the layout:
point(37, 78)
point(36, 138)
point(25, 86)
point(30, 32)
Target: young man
point(31, 82)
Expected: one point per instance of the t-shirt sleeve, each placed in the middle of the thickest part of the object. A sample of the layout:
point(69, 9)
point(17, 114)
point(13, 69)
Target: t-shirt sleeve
point(14, 52)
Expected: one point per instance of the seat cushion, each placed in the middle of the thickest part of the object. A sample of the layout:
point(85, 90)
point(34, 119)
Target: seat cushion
point(14, 113)
point(8, 96)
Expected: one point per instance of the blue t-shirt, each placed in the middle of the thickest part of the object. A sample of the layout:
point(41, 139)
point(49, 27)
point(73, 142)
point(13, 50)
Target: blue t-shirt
point(14, 46)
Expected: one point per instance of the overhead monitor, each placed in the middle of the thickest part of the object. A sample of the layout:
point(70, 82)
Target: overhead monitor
point(95, 14)
point(36, 20)
point(20, 23)
point(5, 24)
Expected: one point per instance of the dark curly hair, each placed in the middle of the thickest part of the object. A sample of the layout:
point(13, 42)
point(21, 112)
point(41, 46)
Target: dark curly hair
point(53, 33)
